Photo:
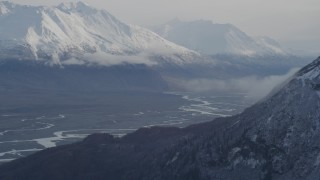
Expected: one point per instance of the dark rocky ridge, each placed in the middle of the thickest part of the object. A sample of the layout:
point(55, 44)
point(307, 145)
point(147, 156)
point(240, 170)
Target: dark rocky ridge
point(274, 139)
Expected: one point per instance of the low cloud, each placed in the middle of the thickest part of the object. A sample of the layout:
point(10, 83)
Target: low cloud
point(104, 59)
point(256, 87)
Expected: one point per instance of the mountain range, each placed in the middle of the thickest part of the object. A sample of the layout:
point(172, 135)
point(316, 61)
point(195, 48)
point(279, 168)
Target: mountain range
point(40, 44)
point(73, 33)
point(277, 138)
point(72, 37)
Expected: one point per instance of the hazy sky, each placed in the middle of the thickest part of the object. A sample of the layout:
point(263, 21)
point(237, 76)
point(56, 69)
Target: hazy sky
point(294, 23)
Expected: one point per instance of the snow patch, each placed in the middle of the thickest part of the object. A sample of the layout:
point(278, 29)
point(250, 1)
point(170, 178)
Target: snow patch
point(269, 119)
point(252, 163)
point(317, 161)
point(33, 39)
point(174, 158)
point(235, 150)
point(254, 138)
point(3, 9)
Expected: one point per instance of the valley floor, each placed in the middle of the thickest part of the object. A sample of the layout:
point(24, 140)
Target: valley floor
point(38, 121)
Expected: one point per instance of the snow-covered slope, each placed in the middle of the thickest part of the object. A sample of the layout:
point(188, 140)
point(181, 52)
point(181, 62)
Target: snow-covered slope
point(71, 33)
point(209, 38)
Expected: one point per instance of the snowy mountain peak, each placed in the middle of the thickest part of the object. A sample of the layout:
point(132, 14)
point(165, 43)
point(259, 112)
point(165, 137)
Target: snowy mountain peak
point(210, 38)
point(77, 6)
point(9, 6)
point(6, 4)
point(72, 31)
point(5, 7)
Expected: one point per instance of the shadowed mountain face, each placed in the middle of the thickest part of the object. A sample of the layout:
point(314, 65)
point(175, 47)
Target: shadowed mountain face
point(274, 139)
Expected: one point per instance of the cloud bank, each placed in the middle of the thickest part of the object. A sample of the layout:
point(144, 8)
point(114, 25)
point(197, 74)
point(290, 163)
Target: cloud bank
point(256, 87)
point(104, 59)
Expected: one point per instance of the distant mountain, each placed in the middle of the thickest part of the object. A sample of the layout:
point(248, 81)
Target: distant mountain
point(209, 38)
point(277, 138)
point(73, 33)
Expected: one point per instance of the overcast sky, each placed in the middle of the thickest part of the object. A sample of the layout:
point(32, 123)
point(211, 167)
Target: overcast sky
point(294, 23)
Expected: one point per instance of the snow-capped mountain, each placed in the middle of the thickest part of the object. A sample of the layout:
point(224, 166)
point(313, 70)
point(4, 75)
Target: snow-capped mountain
point(209, 38)
point(72, 33)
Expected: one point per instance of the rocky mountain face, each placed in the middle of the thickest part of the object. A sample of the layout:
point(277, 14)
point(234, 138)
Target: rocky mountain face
point(276, 138)
point(209, 38)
